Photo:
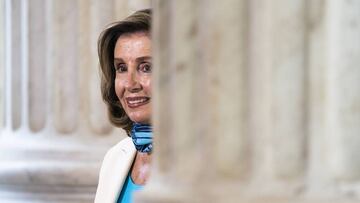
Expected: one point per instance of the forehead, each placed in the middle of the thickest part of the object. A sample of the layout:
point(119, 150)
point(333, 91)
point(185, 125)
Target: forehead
point(132, 44)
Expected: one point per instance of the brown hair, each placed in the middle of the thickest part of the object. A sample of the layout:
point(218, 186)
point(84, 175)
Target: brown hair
point(140, 21)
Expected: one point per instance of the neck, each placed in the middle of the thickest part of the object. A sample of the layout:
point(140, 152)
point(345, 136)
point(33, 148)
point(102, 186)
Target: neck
point(141, 168)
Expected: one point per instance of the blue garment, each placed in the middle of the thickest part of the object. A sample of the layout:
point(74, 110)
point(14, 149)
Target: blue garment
point(141, 135)
point(129, 187)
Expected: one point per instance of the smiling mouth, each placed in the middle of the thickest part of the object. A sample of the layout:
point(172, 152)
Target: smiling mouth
point(134, 102)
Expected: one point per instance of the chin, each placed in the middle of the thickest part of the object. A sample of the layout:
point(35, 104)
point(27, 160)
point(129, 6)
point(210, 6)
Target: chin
point(140, 116)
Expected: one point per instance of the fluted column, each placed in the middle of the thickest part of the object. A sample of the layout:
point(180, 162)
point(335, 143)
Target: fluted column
point(200, 100)
point(288, 69)
point(55, 130)
point(38, 67)
point(2, 61)
point(278, 96)
point(256, 101)
point(343, 81)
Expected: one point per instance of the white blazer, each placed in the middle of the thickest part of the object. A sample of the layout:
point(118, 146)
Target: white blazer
point(114, 170)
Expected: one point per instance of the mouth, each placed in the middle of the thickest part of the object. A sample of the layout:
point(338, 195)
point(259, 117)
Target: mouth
point(133, 102)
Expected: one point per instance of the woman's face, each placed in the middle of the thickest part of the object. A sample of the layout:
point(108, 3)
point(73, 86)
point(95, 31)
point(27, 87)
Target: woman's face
point(132, 61)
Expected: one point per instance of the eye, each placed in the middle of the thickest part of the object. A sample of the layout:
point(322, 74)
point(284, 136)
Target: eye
point(120, 67)
point(145, 67)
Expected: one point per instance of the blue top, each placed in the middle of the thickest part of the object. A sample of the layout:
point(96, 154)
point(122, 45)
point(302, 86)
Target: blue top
point(129, 187)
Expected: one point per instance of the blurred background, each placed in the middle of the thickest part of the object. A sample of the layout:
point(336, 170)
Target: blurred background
point(54, 129)
point(254, 100)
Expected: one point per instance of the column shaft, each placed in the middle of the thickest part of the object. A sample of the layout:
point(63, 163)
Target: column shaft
point(2, 62)
point(288, 108)
point(343, 89)
point(63, 64)
point(38, 70)
point(16, 61)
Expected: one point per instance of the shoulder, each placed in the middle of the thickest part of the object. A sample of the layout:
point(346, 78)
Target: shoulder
point(123, 147)
point(118, 154)
point(114, 169)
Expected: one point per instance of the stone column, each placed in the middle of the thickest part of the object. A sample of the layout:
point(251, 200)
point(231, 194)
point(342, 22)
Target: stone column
point(343, 80)
point(200, 100)
point(277, 96)
point(256, 101)
point(2, 61)
point(56, 129)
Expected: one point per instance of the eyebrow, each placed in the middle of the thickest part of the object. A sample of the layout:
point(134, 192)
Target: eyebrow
point(142, 58)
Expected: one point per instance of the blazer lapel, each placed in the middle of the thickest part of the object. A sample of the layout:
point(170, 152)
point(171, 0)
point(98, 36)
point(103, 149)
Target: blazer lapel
point(115, 168)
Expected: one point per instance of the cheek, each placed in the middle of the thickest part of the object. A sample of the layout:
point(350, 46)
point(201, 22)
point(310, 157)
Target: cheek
point(119, 88)
point(146, 83)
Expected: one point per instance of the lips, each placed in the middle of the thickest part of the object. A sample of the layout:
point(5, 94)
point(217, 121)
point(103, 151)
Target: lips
point(134, 102)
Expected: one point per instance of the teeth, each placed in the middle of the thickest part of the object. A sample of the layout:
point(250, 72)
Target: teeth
point(137, 101)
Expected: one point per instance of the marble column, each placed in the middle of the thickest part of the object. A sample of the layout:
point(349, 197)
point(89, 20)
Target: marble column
point(54, 127)
point(343, 81)
point(200, 100)
point(256, 101)
point(2, 61)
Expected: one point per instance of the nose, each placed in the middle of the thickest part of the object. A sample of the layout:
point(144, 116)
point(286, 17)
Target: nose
point(132, 81)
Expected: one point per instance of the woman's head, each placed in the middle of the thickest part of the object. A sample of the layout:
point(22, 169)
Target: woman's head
point(125, 60)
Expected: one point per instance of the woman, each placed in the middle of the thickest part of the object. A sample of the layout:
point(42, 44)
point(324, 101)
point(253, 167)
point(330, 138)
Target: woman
point(125, 60)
